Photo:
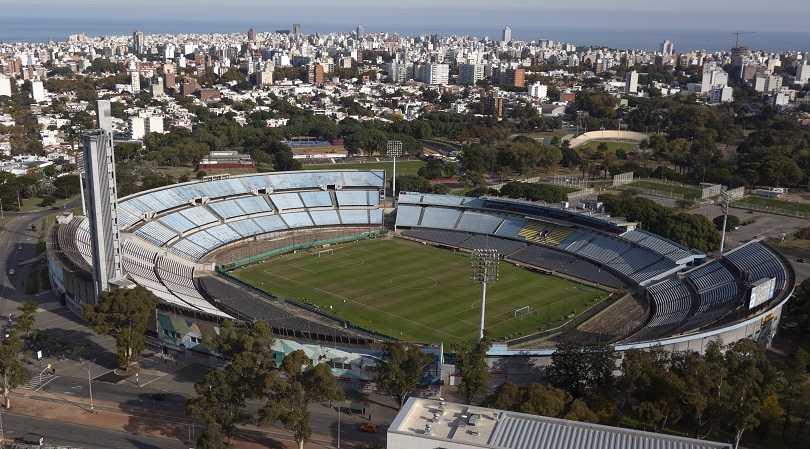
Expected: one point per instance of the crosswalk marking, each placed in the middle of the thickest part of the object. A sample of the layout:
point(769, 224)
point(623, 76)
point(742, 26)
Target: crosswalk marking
point(34, 383)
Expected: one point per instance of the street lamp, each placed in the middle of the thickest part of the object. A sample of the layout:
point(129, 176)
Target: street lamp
point(724, 208)
point(484, 270)
point(90, 384)
point(394, 149)
point(338, 436)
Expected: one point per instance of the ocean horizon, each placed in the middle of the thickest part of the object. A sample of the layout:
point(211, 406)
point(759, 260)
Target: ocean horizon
point(37, 30)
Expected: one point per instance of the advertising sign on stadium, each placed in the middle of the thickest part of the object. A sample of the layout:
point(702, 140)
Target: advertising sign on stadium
point(761, 292)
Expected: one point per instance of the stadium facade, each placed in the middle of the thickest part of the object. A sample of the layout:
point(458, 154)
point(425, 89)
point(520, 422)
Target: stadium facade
point(176, 240)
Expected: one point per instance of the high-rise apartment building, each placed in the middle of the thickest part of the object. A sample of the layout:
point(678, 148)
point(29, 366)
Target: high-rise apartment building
point(251, 35)
point(537, 90)
point(767, 83)
point(102, 198)
point(507, 35)
point(360, 32)
point(437, 74)
point(802, 72)
point(296, 28)
point(512, 77)
point(137, 41)
point(494, 105)
point(397, 72)
point(315, 73)
point(711, 78)
point(5, 86)
point(135, 81)
point(667, 48)
point(264, 77)
point(37, 91)
point(470, 74)
point(631, 82)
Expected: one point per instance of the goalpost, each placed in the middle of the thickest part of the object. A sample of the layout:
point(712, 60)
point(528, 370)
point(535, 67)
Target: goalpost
point(325, 252)
point(523, 312)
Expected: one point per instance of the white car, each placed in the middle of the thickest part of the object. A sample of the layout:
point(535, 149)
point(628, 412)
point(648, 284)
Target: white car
point(11, 271)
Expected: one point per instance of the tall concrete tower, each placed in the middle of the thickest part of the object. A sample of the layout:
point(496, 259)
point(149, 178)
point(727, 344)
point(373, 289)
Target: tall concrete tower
point(137, 41)
point(102, 198)
point(507, 35)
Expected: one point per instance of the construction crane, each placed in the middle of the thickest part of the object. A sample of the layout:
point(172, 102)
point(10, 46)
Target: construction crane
point(738, 33)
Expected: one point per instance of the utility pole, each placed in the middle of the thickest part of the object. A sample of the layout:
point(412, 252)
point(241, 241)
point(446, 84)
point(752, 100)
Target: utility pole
point(724, 208)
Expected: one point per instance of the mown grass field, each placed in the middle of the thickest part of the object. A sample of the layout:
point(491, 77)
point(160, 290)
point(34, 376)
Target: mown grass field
point(417, 292)
point(688, 192)
point(773, 205)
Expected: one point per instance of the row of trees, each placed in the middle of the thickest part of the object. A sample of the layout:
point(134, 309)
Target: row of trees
point(731, 388)
point(691, 230)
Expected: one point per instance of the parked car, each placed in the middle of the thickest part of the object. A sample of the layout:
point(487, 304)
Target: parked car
point(11, 271)
point(369, 427)
point(33, 438)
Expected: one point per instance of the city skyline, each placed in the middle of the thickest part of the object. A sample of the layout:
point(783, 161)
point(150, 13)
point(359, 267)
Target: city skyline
point(781, 15)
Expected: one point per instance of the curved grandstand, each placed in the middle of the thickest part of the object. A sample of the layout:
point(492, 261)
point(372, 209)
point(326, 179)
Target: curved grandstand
point(174, 238)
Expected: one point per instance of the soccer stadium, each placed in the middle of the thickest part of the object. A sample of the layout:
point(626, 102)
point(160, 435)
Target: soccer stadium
point(318, 257)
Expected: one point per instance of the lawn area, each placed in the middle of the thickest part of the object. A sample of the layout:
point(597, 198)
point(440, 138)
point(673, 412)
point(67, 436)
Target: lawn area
point(417, 292)
point(613, 145)
point(772, 205)
point(688, 192)
point(403, 167)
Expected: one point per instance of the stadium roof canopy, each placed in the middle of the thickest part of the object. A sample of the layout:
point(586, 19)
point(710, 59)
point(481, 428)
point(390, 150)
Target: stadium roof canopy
point(424, 423)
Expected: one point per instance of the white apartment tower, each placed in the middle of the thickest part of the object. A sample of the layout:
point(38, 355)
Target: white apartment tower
point(631, 82)
point(264, 77)
point(767, 83)
point(537, 90)
point(720, 94)
point(397, 72)
point(5, 86)
point(711, 78)
point(470, 73)
point(667, 48)
point(135, 81)
point(437, 74)
point(507, 35)
point(102, 200)
point(37, 91)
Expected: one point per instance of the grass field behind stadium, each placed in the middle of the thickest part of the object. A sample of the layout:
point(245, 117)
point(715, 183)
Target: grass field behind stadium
point(417, 292)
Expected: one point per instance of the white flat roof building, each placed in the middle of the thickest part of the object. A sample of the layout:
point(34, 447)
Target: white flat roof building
point(428, 424)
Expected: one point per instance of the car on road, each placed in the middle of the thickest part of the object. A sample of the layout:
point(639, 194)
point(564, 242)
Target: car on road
point(11, 271)
point(19, 246)
point(159, 396)
point(33, 438)
point(368, 427)
point(800, 260)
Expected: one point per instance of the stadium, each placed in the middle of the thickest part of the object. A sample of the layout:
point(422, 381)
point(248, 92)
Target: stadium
point(194, 244)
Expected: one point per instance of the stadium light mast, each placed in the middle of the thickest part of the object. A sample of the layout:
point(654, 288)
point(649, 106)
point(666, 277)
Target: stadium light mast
point(394, 149)
point(484, 270)
point(724, 208)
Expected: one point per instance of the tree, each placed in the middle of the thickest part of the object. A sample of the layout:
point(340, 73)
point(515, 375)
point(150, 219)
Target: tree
point(13, 372)
point(471, 363)
point(222, 395)
point(506, 397)
point(544, 400)
point(399, 371)
point(289, 402)
point(123, 312)
point(731, 223)
point(26, 320)
point(582, 370)
point(210, 438)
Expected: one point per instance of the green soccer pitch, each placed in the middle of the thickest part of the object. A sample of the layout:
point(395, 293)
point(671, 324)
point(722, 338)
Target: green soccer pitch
point(418, 292)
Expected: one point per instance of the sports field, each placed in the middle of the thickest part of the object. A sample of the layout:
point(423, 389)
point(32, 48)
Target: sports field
point(417, 292)
point(688, 192)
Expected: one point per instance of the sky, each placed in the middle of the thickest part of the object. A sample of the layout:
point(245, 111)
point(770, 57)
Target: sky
point(377, 15)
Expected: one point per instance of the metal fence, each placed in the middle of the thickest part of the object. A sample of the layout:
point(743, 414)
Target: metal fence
point(661, 193)
point(788, 211)
point(580, 193)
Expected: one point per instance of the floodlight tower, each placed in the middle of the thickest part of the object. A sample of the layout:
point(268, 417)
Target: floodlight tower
point(484, 270)
point(724, 208)
point(394, 149)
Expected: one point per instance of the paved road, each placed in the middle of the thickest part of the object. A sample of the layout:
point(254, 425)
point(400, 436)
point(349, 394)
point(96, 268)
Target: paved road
point(67, 434)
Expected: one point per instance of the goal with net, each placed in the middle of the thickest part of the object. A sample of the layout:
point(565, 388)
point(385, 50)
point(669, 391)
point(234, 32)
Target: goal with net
point(325, 252)
point(523, 312)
